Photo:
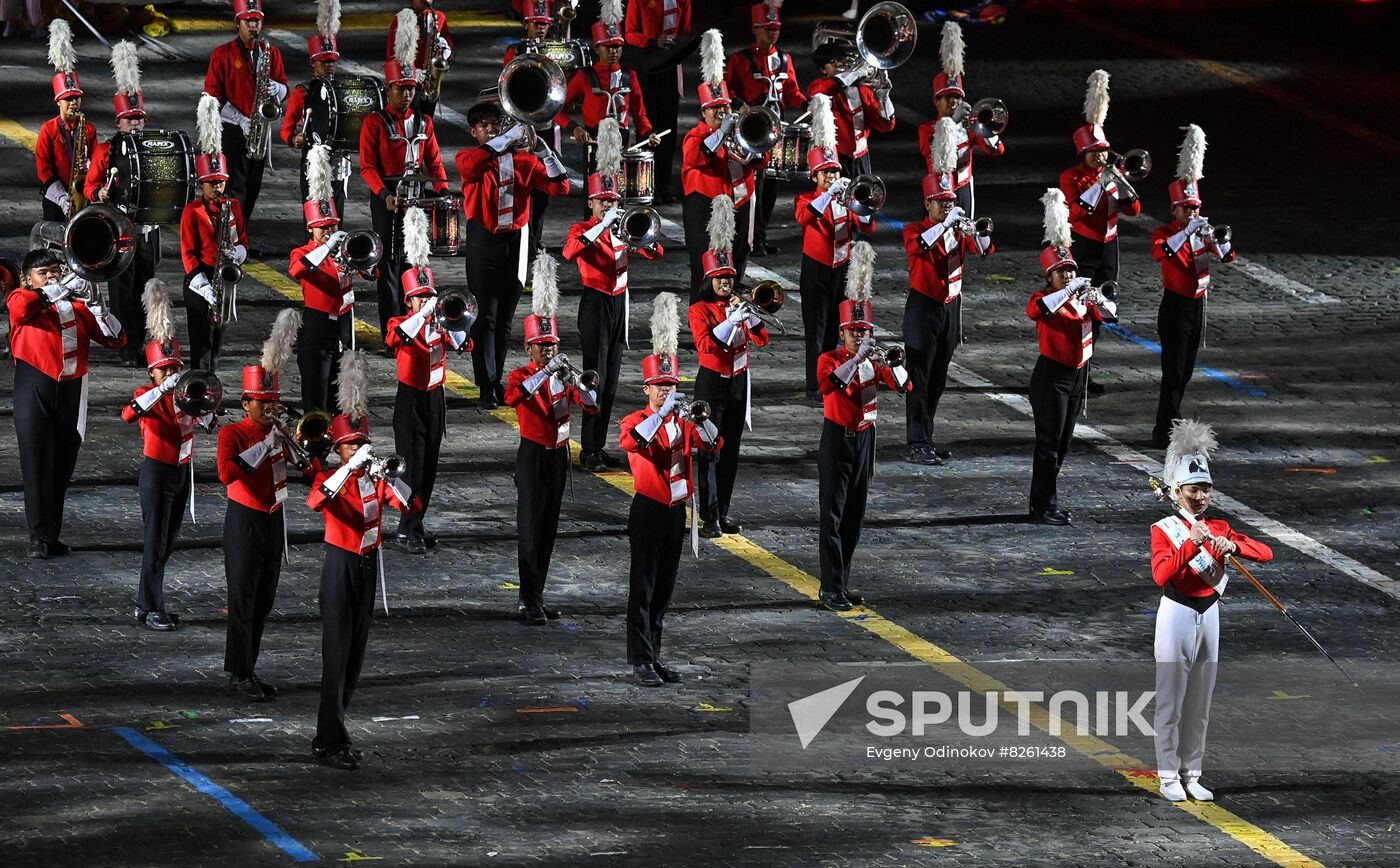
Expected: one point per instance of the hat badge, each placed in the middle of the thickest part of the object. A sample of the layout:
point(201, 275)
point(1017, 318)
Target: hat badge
point(665, 365)
point(167, 348)
point(858, 309)
point(944, 183)
point(1195, 466)
point(324, 208)
point(772, 14)
point(266, 380)
point(546, 326)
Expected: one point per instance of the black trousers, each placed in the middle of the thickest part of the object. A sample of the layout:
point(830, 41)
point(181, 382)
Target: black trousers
point(539, 203)
point(601, 332)
point(253, 546)
point(663, 103)
point(655, 533)
point(822, 287)
point(347, 606)
point(854, 167)
point(46, 426)
point(338, 188)
point(695, 215)
point(493, 276)
point(419, 421)
point(766, 197)
point(165, 492)
point(52, 211)
point(1098, 262)
point(844, 465)
point(206, 342)
point(245, 176)
point(389, 285)
point(423, 107)
point(931, 330)
point(967, 200)
point(716, 473)
point(124, 293)
point(540, 474)
point(324, 337)
point(1179, 323)
point(1057, 393)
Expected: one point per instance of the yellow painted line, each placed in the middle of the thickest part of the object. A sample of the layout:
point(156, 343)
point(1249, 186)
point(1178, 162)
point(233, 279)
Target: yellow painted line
point(352, 21)
point(1132, 769)
point(18, 134)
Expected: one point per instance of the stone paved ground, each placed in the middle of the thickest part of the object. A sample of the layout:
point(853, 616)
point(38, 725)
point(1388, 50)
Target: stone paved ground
point(461, 770)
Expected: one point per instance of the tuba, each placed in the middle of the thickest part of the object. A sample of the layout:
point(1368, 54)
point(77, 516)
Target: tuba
point(198, 393)
point(98, 243)
point(437, 63)
point(884, 38)
point(640, 226)
point(986, 118)
point(755, 132)
point(865, 196)
point(266, 108)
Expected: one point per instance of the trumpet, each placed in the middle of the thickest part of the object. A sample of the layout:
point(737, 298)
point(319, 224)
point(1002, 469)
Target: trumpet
point(764, 300)
point(391, 466)
point(1124, 168)
point(585, 380)
point(987, 117)
point(981, 226)
point(865, 195)
point(1080, 288)
point(892, 355)
point(697, 411)
point(639, 226)
point(1216, 235)
point(198, 393)
point(456, 312)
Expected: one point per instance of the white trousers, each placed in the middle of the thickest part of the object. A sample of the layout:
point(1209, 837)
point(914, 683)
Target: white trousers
point(1187, 649)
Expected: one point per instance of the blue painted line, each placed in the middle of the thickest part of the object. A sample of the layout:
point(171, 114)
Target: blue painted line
point(882, 217)
point(201, 782)
point(1128, 334)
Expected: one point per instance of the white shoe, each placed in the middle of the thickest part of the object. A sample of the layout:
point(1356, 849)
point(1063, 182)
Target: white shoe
point(1198, 792)
point(1172, 790)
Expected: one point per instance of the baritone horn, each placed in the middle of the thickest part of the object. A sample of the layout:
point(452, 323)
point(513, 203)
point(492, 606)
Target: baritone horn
point(755, 131)
point(865, 196)
point(98, 243)
point(198, 393)
point(530, 89)
point(639, 226)
point(764, 299)
point(361, 251)
point(456, 311)
point(987, 117)
point(886, 35)
point(1126, 168)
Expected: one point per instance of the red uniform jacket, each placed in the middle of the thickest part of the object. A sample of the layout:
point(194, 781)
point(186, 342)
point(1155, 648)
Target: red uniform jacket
point(752, 77)
point(1067, 335)
point(231, 74)
point(1196, 578)
point(966, 139)
point(726, 358)
point(649, 19)
point(324, 287)
point(485, 197)
point(291, 114)
point(602, 265)
point(849, 141)
point(544, 415)
point(593, 88)
point(354, 514)
point(1187, 271)
point(53, 151)
point(166, 433)
point(714, 174)
point(97, 170)
point(422, 358)
point(938, 271)
point(661, 468)
point(54, 338)
point(383, 144)
point(255, 474)
point(853, 406)
point(421, 58)
point(827, 234)
point(1102, 223)
point(198, 246)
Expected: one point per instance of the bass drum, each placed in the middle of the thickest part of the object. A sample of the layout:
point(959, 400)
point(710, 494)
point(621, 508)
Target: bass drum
point(336, 109)
point(155, 175)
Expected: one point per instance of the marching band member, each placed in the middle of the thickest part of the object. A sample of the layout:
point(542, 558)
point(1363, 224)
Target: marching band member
point(1184, 248)
point(763, 75)
point(1064, 311)
point(51, 328)
point(857, 108)
point(328, 322)
point(200, 247)
point(352, 499)
point(420, 340)
point(56, 145)
point(660, 441)
point(1188, 563)
point(411, 42)
point(324, 51)
point(253, 458)
point(541, 392)
point(499, 179)
point(711, 168)
point(655, 27)
point(538, 17)
point(124, 290)
point(603, 311)
point(231, 79)
point(849, 378)
point(937, 249)
point(167, 469)
point(393, 142)
point(1095, 200)
point(724, 327)
point(948, 94)
point(828, 228)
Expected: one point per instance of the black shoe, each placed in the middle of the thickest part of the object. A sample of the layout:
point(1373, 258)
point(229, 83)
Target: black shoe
point(730, 526)
point(646, 675)
point(342, 758)
point(710, 530)
point(246, 688)
point(159, 621)
point(140, 615)
point(551, 614)
point(592, 462)
point(856, 599)
point(38, 551)
point(267, 689)
point(489, 404)
point(1159, 441)
point(923, 455)
point(611, 462)
point(416, 546)
point(670, 676)
point(1049, 516)
point(758, 251)
point(837, 602)
point(1096, 388)
point(535, 617)
point(772, 249)
point(58, 549)
point(943, 454)
point(429, 540)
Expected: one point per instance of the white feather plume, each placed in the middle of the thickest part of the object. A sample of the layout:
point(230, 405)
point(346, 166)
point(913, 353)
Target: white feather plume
point(712, 57)
point(352, 386)
point(1056, 219)
point(721, 225)
point(609, 156)
point(611, 12)
point(415, 237)
point(944, 149)
point(952, 48)
point(775, 4)
point(665, 324)
point(823, 122)
point(126, 68)
point(277, 349)
point(1096, 98)
point(406, 37)
point(328, 17)
point(544, 291)
point(860, 277)
point(1191, 159)
point(207, 126)
point(160, 323)
point(61, 53)
point(1188, 437)
point(318, 174)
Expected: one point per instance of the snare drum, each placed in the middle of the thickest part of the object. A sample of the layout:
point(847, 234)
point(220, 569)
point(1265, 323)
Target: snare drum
point(638, 177)
point(336, 109)
point(155, 175)
point(446, 222)
point(788, 159)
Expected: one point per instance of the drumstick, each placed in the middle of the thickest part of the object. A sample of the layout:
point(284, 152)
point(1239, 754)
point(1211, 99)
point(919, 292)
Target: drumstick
point(661, 135)
point(805, 115)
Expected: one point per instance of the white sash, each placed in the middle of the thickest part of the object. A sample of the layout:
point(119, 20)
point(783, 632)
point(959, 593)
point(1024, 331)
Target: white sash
point(1204, 563)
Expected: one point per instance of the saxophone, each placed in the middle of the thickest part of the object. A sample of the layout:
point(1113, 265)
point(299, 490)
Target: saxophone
point(76, 200)
point(266, 108)
point(226, 271)
point(437, 64)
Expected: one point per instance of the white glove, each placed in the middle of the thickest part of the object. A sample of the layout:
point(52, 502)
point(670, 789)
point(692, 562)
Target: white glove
point(614, 214)
point(199, 285)
point(728, 123)
point(850, 77)
point(361, 457)
point(270, 439)
point(866, 347)
point(53, 293)
point(336, 239)
point(239, 255)
point(839, 186)
point(96, 310)
point(956, 214)
point(556, 364)
point(1193, 224)
point(428, 306)
point(168, 384)
point(668, 405)
point(1079, 284)
point(444, 48)
point(738, 313)
point(1093, 297)
point(279, 90)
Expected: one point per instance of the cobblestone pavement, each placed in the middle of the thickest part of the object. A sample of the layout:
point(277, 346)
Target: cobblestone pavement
point(490, 743)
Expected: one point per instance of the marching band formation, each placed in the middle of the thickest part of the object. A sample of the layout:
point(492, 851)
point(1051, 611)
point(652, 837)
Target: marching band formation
point(104, 203)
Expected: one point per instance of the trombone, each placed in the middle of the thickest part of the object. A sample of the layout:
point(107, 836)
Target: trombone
point(361, 251)
point(198, 393)
point(764, 300)
point(585, 380)
point(307, 438)
point(456, 312)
